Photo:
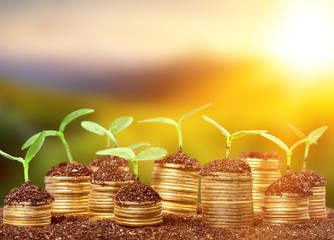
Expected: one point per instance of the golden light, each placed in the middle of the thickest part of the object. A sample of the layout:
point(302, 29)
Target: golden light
point(303, 37)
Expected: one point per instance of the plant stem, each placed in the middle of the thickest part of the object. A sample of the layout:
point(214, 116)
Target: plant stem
point(135, 167)
point(307, 147)
point(67, 147)
point(179, 136)
point(228, 147)
point(26, 171)
point(288, 160)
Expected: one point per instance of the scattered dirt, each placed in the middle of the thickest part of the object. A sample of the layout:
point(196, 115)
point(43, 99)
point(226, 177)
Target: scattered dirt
point(114, 161)
point(313, 179)
point(137, 192)
point(67, 169)
point(289, 183)
point(28, 193)
point(180, 158)
point(111, 174)
point(225, 166)
point(174, 227)
point(259, 155)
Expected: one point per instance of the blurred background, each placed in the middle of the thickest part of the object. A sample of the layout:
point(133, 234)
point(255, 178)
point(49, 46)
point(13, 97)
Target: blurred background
point(263, 65)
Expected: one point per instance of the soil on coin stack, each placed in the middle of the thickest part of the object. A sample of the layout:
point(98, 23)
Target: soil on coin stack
point(313, 179)
point(73, 169)
point(225, 165)
point(111, 174)
point(112, 161)
point(181, 159)
point(137, 192)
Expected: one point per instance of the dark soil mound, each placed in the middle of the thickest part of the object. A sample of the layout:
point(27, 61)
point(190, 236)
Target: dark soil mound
point(137, 192)
point(225, 166)
point(111, 174)
point(289, 183)
point(313, 179)
point(28, 193)
point(114, 161)
point(67, 169)
point(181, 159)
point(259, 155)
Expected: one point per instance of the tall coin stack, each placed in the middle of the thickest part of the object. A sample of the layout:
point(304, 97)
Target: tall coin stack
point(317, 203)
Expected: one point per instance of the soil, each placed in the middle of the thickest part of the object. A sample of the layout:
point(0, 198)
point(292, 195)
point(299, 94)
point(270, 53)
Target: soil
point(225, 165)
point(110, 160)
point(73, 169)
point(289, 183)
point(137, 192)
point(28, 193)
point(111, 174)
point(313, 179)
point(176, 227)
point(181, 159)
point(259, 155)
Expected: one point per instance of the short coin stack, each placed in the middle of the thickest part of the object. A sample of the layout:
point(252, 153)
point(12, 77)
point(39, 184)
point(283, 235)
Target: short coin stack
point(227, 200)
point(178, 187)
point(288, 208)
point(25, 214)
point(266, 168)
point(317, 203)
point(70, 193)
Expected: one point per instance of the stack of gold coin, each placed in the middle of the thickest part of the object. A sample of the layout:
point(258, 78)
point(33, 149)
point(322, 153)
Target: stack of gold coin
point(266, 168)
point(25, 214)
point(135, 214)
point(227, 200)
point(288, 208)
point(101, 198)
point(70, 193)
point(178, 187)
point(317, 203)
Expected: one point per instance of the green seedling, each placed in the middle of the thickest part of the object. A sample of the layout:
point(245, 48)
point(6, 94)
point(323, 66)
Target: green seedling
point(176, 124)
point(288, 151)
point(33, 149)
point(231, 136)
point(116, 127)
point(314, 135)
point(60, 133)
point(152, 153)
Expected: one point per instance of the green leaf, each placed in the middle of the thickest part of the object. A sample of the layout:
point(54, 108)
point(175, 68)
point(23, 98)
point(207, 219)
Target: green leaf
point(306, 140)
point(299, 133)
point(276, 140)
point(160, 120)
point(317, 133)
point(94, 128)
point(125, 153)
point(6, 155)
point(138, 145)
point(220, 128)
point(72, 116)
point(120, 124)
point(246, 132)
point(152, 153)
point(35, 147)
point(33, 138)
point(187, 115)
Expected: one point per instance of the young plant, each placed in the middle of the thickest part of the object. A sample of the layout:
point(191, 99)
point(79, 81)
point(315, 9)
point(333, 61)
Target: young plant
point(178, 124)
point(151, 153)
point(288, 151)
point(314, 135)
point(33, 149)
point(60, 133)
point(231, 136)
point(116, 127)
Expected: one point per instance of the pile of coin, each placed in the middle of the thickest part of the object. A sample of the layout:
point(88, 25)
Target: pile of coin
point(317, 203)
point(288, 208)
point(227, 200)
point(134, 214)
point(264, 172)
point(178, 188)
point(25, 214)
point(70, 193)
point(101, 198)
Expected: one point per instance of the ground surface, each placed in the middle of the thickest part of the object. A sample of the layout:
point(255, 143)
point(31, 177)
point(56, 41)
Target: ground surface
point(173, 227)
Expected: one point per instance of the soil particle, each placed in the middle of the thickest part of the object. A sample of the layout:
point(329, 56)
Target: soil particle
point(259, 155)
point(73, 169)
point(111, 174)
point(137, 192)
point(289, 183)
point(28, 193)
point(181, 159)
point(313, 179)
point(110, 160)
point(225, 166)
point(174, 227)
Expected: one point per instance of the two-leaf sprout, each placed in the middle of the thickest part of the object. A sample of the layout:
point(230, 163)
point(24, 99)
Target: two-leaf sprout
point(177, 124)
point(313, 135)
point(33, 149)
point(231, 136)
point(60, 133)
